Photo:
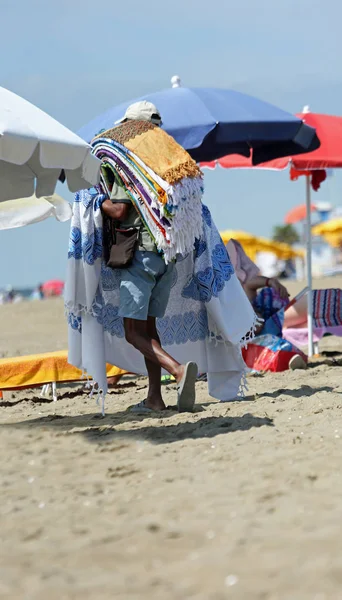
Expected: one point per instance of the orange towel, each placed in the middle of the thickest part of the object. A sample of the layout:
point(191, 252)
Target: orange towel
point(38, 369)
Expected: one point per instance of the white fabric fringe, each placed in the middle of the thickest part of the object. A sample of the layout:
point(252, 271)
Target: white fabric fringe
point(182, 211)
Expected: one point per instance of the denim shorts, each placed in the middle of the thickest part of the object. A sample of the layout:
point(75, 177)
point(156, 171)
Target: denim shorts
point(145, 286)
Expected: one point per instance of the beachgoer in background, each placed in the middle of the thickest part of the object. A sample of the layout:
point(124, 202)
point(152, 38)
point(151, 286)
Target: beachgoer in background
point(267, 303)
point(289, 270)
point(249, 276)
point(38, 293)
point(145, 289)
point(9, 294)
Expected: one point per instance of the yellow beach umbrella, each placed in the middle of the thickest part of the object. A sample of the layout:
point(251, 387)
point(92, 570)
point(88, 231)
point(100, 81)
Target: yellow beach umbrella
point(331, 231)
point(247, 240)
point(252, 244)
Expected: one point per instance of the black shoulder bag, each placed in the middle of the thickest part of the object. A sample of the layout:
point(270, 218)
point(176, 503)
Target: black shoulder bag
point(123, 246)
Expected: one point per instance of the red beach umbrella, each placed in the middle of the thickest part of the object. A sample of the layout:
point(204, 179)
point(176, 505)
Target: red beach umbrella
point(312, 165)
point(53, 287)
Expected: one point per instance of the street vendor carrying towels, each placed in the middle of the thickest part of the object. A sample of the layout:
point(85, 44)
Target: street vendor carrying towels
point(145, 256)
point(145, 289)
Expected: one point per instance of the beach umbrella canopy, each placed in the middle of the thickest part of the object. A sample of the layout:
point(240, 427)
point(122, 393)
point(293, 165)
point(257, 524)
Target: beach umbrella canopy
point(297, 214)
point(210, 123)
point(34, 149)
point(253, 244)
point(311, 165)
point(327, 156)
point(26, 211)
point(331, 231)
point(53, 287)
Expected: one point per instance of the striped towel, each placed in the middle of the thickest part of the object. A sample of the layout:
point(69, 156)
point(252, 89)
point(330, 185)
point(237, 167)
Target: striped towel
point(327, 308)
point(163, 182)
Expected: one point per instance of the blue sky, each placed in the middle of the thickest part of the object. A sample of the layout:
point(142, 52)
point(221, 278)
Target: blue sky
point(76, 58)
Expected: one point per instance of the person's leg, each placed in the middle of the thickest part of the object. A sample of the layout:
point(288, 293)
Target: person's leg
point(144, 337)
point(144, 293)
point(136, 333)
point(296, 315)
point(154, 396)
point(156, 358)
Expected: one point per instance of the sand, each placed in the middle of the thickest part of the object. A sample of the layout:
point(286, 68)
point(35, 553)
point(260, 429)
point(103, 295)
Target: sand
point(239, 500)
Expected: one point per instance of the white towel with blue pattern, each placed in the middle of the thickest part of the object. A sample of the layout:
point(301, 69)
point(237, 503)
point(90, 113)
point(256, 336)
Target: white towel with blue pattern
point(207, 318)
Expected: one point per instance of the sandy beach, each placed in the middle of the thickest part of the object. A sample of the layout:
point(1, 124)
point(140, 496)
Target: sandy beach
point(239, 500)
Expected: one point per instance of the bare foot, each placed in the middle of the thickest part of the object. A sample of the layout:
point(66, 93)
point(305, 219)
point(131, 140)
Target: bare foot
point(113, 381)
point(155, 403)
point(180, 372)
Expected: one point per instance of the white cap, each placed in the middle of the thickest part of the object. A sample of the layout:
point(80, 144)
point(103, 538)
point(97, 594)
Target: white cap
point(142, 111)
point(176, 81)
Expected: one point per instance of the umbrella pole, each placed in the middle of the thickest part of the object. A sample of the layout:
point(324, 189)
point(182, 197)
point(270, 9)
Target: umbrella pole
point(309, 264)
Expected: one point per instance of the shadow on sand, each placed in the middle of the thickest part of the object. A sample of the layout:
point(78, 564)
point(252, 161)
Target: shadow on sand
point(95, 428)
point(301, 392)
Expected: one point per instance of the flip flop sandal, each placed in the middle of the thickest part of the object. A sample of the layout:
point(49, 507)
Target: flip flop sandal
point(186, 388)
point(141, 408)
point(202, 377)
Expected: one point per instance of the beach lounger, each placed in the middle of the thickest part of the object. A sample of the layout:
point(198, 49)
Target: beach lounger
point(48, 370)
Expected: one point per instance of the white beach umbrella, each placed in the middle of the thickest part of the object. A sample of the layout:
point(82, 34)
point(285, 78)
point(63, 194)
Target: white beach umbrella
point(26, 211)
point(35, 148)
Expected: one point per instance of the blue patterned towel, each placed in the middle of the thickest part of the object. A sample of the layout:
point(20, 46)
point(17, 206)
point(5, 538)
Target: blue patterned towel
point(207, 318)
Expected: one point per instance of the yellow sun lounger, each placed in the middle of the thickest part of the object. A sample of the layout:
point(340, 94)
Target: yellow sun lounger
point(40, 370)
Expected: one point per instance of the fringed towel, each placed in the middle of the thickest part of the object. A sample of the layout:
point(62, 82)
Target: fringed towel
point(158, 150)
point(207, 318)
point(163, 182)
